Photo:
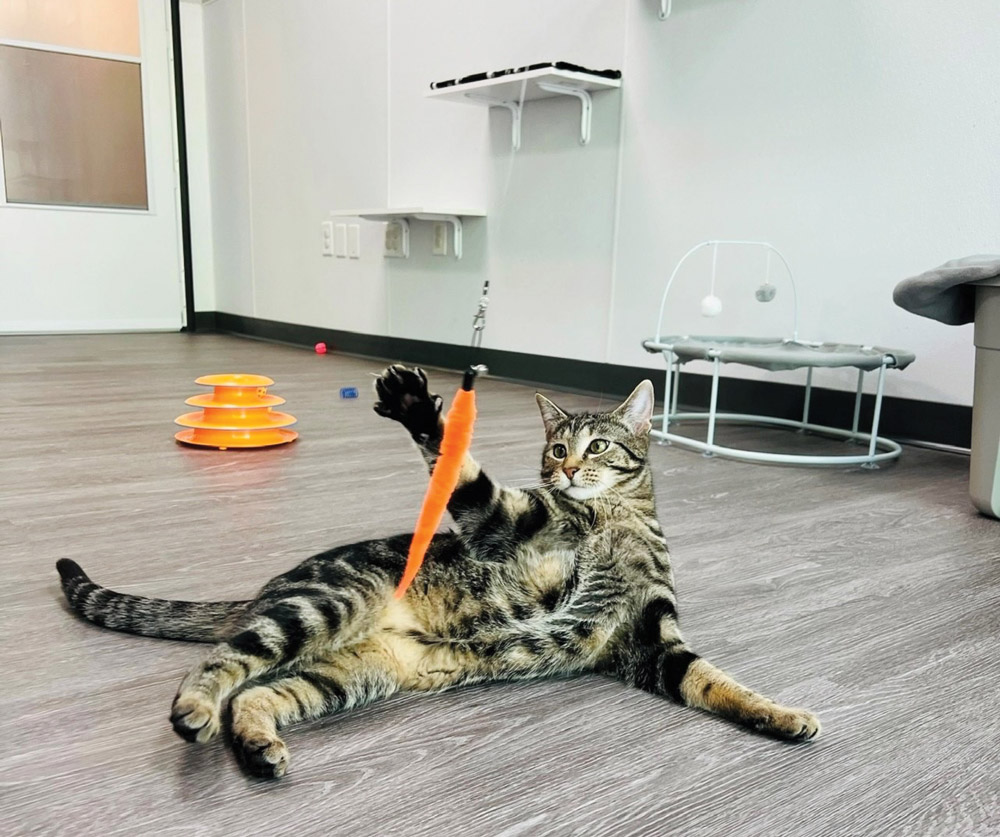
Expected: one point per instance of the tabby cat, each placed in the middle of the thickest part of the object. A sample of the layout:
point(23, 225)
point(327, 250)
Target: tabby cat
point(570, 577)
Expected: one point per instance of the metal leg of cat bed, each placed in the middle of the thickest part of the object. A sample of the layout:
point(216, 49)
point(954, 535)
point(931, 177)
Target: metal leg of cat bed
point(880, 449)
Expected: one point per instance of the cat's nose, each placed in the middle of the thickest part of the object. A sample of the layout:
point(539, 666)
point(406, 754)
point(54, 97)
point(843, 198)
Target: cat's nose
point(570, 471)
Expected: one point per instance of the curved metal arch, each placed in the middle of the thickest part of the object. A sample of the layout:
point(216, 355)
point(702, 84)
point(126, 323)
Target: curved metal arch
point(770, 248)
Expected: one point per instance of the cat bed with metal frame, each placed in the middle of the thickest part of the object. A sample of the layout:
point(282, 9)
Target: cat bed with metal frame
point(772, 354)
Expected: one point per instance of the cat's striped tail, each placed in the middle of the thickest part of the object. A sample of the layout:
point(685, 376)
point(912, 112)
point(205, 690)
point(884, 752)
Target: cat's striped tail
point(191, 621)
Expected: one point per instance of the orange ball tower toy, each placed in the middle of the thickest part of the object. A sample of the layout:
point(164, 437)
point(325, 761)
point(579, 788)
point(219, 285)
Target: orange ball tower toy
point(236, 414)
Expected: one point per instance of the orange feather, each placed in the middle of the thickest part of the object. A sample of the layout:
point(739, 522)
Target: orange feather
point(454, 445)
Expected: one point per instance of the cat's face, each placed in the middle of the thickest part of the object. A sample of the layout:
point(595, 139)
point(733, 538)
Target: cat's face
point(590, 454)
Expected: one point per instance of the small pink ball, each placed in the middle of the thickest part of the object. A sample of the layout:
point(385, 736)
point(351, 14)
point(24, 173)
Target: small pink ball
point(321, 348)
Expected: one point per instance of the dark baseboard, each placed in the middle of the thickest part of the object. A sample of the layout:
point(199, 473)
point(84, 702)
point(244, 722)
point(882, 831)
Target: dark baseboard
point(902, 418)
point(205, 321)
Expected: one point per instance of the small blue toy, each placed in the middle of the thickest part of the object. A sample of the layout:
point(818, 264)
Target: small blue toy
point(348, 392)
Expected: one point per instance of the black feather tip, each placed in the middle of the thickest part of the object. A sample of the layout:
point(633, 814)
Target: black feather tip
point(69, 570)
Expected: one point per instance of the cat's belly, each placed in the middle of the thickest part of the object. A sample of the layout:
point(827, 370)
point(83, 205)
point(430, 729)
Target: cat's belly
point(527, 620)
point(401, 640)
point(542, 577)
point(471, 647)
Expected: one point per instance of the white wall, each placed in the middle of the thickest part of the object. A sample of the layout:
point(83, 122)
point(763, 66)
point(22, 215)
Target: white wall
point(229, 155)
point(858, 137)
point(547, 238)
point(297, 126)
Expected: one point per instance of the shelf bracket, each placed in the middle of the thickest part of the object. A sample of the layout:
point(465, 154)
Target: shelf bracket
point(515, 115)
point(586, 106)
point(666, 7)
point(456, 228)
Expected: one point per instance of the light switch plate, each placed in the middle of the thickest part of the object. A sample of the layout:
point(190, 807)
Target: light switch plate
point(354, 241)
point(327, 238)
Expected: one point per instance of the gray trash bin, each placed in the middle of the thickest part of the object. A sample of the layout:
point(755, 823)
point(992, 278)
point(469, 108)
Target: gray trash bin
point(962, 291)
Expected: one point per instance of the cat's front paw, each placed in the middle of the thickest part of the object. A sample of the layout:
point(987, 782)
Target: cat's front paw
point(403, 397)
point(794, 724)
point(194, 718)
point(263, 756)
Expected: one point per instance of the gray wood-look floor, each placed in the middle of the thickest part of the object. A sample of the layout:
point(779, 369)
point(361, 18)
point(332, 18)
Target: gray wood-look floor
point(868, 597)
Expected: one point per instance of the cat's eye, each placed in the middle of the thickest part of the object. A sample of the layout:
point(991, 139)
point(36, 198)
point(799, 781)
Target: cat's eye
point(559, 451)
point(598, 446)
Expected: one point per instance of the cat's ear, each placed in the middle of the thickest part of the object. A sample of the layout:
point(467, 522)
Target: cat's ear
point(551, 414)
point(636, 412)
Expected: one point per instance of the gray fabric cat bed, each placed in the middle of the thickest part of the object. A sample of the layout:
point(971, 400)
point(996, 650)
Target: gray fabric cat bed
point(964, 291)
point(776, 354)
point(773, 354)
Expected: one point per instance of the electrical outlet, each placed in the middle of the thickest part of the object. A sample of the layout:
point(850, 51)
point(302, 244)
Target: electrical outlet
point(340, 241)
point(327, 238)
point(440, 245)
point(397, 239)
point(354, 241)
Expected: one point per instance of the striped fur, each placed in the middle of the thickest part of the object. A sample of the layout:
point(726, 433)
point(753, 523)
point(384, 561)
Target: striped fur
point(568, 577)
point(192, 621)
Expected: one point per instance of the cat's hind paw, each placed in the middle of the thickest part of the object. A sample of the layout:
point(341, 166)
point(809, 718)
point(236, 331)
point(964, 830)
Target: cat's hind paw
point(403, 397)
point(266, 757)
point(194, 718)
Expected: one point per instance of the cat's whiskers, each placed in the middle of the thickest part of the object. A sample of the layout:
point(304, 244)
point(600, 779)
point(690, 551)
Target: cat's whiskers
point(534, 483)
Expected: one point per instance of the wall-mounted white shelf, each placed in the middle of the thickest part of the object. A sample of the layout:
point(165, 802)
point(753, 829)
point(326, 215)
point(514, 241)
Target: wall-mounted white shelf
point(419, 213)
point(506, 92)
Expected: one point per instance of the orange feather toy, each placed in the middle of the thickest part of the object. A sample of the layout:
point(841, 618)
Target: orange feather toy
point(454, 445)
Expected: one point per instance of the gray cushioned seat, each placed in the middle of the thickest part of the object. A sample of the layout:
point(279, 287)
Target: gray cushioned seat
point(962, 291)
point(944, 293)
point(774, 354)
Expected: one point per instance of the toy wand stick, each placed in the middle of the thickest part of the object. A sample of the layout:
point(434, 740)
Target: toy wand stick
point(454, 445)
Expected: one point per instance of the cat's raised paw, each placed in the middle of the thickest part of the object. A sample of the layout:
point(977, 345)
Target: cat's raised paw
point(264, 757)
point(194, 718)
point(403, 397)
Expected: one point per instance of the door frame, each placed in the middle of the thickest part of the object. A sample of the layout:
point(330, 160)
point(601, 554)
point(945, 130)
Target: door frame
point(180, 124)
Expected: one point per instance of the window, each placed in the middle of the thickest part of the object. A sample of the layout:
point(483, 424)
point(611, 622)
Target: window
point(71, 128)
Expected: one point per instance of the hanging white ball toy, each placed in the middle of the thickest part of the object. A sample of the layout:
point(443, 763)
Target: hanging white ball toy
point(711, 306)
